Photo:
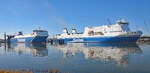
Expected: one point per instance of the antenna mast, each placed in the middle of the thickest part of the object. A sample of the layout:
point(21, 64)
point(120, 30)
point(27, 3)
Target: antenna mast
point(39, 27)
point(146, 26)
point(109, 22)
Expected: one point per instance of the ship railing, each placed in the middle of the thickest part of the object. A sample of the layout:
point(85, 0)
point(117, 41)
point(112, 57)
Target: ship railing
point(134, 33)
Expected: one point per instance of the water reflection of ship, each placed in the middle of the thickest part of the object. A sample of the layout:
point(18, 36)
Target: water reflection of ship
point(119, 53)
point(36, 49)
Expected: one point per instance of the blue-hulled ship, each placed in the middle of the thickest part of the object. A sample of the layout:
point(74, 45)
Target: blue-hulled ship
point(37, 36)
point(116, 33)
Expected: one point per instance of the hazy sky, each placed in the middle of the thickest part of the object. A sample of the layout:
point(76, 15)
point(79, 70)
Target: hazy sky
point(54, 15)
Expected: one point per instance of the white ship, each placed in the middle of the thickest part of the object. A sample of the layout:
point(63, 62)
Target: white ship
point(118, 33)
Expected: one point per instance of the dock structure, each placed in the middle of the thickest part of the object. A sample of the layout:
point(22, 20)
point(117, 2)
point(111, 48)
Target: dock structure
point(4, 39)
point(55, 41)
point(51, 40)
point(1, 40)
point(144, 39)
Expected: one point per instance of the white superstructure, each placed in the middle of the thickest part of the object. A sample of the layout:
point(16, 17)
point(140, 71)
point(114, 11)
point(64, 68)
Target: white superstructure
point(118, 29)
point(33, 34)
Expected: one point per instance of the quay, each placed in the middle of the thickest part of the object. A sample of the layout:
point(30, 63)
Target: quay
point(144, 39)
point(51, 40)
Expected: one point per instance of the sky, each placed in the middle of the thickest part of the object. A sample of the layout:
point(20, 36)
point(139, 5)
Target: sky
point(54, 15)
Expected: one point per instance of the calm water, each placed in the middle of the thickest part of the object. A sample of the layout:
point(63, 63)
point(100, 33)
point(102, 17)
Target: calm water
point(77, 57)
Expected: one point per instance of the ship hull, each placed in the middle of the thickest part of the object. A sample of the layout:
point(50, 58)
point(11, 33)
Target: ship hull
point(109, 39)
point(36, 39)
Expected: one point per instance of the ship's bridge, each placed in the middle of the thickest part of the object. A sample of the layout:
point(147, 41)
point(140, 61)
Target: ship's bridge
point(40, 32)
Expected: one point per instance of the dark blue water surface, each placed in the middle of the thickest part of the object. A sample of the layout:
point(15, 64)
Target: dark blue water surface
point(76, 57)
